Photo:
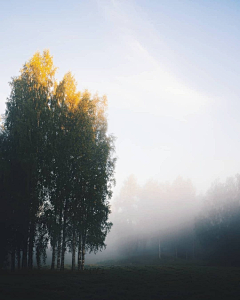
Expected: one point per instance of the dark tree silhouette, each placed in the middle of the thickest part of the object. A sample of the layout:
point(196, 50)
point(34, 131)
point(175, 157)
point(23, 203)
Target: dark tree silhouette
point(57, 168)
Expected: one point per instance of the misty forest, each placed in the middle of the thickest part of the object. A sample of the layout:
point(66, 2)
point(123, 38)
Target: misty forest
point(57, 175)
point(119, 150)
point(170, 221)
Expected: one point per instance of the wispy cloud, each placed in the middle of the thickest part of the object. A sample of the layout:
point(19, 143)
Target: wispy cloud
point(147, 84)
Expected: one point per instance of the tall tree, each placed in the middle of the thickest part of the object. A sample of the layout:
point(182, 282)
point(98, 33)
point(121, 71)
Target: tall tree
point(26, 126)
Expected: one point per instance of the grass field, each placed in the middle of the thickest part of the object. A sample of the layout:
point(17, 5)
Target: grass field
point(166, 281)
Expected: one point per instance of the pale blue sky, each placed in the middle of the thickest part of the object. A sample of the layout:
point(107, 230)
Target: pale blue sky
point(170, 70)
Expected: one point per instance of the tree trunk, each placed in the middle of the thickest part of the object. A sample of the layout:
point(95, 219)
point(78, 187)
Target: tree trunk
point(83, 256)
point(30, 246)
point(73, 251)
point(63, 251)
point(38, 259)
point(13, 260)
point(59, 241)
point(24, 255)
point(83, 252)
point(59, 254)
point(19, 258)
point(53, 253)
point(54, 243)
point(80, 252)
point(64, 238)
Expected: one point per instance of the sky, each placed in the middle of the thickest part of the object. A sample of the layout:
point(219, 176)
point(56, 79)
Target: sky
point(170, 70)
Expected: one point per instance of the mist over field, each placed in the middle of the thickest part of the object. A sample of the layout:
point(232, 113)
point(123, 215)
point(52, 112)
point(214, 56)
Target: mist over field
point(143, 215)
point(171, 221)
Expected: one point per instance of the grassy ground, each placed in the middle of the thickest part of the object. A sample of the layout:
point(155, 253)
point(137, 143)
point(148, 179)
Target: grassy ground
point(166, 281)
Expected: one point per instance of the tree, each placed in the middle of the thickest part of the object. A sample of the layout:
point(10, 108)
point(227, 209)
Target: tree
point(26, 128)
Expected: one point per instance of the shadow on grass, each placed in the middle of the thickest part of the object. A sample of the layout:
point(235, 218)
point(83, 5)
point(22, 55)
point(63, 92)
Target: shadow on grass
point(125, 280)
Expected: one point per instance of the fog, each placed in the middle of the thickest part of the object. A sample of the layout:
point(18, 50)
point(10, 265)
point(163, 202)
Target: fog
point(171, 221)
point(143, 214)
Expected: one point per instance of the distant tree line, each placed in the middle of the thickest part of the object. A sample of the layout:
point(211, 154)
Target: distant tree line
point(155, 219)
point(218, 224)
point(56, 169)
point(168, 220)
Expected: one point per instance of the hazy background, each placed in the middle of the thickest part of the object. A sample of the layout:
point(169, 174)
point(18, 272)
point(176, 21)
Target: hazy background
point(170, 70)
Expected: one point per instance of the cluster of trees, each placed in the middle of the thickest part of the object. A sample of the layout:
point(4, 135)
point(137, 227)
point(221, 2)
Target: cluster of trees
point(218, 224)
point(56, 169)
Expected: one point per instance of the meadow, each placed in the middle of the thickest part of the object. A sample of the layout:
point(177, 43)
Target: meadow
point(133, 281)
